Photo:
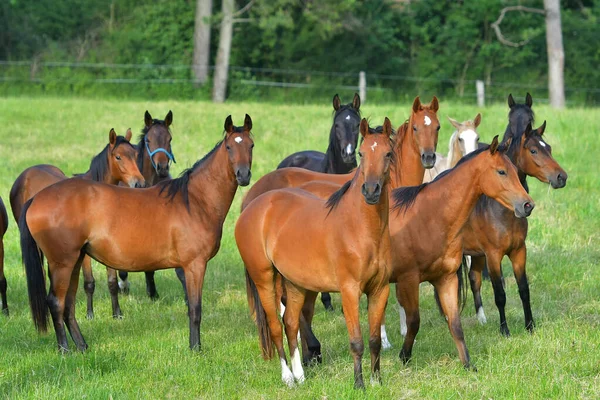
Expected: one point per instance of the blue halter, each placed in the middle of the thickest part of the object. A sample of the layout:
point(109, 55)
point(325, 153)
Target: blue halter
point(159, 150)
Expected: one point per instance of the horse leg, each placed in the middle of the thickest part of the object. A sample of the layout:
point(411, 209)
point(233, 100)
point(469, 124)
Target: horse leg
point(150, 285)
point(113, 289)
point(124, 284)
point(326, 300)
point(407, 293)
point(89, 285)
point(385, 343)
point(60, 279)
point(194, 280)
point(350, 300)
point(447, 289)
point(3, 285)
point(291, 320)
point(494, 264)
point(181, 276)
point(377, 303)
point(69, 313)
point(518, 257)
point(477, 265)
point(311, 347)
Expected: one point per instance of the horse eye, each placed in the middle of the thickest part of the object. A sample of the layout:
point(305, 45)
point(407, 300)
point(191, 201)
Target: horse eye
point(360, 154)
point(438, 128)
point(461, 139)
point(501, 172)
point(252, 146)
point(389, 154)
point(414, 127)
point(227, 147)
point(533, 151)
point(118, 158)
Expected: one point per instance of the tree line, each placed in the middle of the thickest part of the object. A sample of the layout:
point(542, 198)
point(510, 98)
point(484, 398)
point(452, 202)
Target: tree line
point(405, 46)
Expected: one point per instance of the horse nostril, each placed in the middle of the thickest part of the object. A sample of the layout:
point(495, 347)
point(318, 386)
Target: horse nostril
point(528, 207)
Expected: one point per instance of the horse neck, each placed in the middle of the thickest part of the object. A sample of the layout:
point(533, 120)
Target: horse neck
point(409, 170)
point(107, 177)
point(212, 187)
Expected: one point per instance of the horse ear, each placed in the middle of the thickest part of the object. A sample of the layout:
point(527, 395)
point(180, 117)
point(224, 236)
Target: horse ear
point(364, 127)
point(527, 132)
point(336, 102)
point(528, 100)
point(477, 120)
point(228, 124)
point(542, 129)
point(148, 119)
point(494, 145)
point(128, 135)
point(247, 123)
point(387, 127)
point(454, 122)
point(435, 104)
point(505, 145)
point(169, 119)
point(356, 102)
point(112, 137)
point(511, 101)
point(416, 104)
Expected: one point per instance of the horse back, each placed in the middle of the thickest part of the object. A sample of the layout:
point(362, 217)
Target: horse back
point(30, 182)
point(309, 159)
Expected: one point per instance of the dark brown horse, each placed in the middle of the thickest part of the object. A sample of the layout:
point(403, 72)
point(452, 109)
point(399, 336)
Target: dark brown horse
point(3, 228)
point(492, 232)
point(116, 226)
point(282, 229)
point(113, 165)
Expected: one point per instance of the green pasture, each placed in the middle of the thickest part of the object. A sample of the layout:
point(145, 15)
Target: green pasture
point(146, 355)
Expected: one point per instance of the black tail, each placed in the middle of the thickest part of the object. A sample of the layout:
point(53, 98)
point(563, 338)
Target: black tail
point(256, 308)
point(463, 275)
point(34, 270)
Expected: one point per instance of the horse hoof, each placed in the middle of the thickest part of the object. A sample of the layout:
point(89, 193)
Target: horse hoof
point(118, 316)
point(5, 311)
point(63, 350)
point(404, 357)
point(530, 327)
point(329, 307)
point(90, 315)
point(505, 332)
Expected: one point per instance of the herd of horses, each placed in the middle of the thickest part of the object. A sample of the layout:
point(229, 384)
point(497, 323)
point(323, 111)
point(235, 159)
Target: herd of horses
point(415, 216)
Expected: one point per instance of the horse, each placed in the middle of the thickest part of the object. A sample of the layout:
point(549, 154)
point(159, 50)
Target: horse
point(3, 228)
point(492, 233)
point(116, 227)
point(340, 157)
point(414, 138)
point(113, 165)
point(282, 229)
point(154, 160)
point(464, 140)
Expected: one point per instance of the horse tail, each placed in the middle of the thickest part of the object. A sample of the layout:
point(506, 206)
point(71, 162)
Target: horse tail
point(260, 317)
point(462, 274)
point(34, 270)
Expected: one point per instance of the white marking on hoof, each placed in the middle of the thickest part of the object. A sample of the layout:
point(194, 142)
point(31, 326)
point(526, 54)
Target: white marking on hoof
point(297, 369)
point(373, 146)
point(403, 327)
point(281, 309)
point(349, 149)
point(286, 375)
point(427, 120)
point(375, 381)
point(481, 316)
point(385, 343)
point(542, 144)
point(124, 285)
point(347, 117)
point(238, 139)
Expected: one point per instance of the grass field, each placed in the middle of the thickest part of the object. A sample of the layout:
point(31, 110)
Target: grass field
point(146, 354)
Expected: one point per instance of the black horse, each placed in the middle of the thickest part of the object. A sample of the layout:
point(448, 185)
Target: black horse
point(340, 157)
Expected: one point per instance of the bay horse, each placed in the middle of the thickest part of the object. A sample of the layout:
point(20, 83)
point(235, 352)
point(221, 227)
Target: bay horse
point(113, 165)
point(464, 140)
point(116, 227)
point(340, 156)
point(492, 232)
point(154, 159)
point(3, 228)
point(282, 229)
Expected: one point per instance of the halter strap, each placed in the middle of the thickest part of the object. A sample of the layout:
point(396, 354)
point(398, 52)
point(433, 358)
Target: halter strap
point(159, 150)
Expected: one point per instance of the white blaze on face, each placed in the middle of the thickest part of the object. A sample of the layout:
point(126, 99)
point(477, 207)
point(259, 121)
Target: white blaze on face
point(427, 120)
point(470, 140)
point(238, 139)
point(349, 149)
point(542, 144)
point(373, 146)
point(347, 118)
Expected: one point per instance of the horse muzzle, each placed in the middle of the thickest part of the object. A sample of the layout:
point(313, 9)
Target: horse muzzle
point(371, 192)
point(559, 181)
point(428, 159)
point(349, 154)
point(162, 169)
point(243, 175)
point(524, 209)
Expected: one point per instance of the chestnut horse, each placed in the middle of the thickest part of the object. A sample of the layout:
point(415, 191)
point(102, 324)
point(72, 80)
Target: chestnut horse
point(464, 140)
point(282, 229)
point(3, 228)
point(492, 232)
point(113, 165)
point(85, 219)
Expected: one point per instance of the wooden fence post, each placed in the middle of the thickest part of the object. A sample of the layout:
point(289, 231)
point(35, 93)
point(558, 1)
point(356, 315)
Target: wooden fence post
point(480, 93)
point(362, 86)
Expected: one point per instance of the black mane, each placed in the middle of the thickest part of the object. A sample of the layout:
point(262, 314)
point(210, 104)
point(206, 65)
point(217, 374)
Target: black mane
point(518, 117)
point(99, 164)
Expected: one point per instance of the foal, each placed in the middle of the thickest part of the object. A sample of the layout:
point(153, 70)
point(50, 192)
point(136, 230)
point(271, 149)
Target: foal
point(277, 233)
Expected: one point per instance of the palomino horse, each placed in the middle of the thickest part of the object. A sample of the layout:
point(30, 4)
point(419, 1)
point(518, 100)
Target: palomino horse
point(277, 233)
point(340, 157)
point(154, 160)
point(3, 228)
point(414, 138)
point(117, 227)
point(113, 165)
point(464, 140)
point(492, 232)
